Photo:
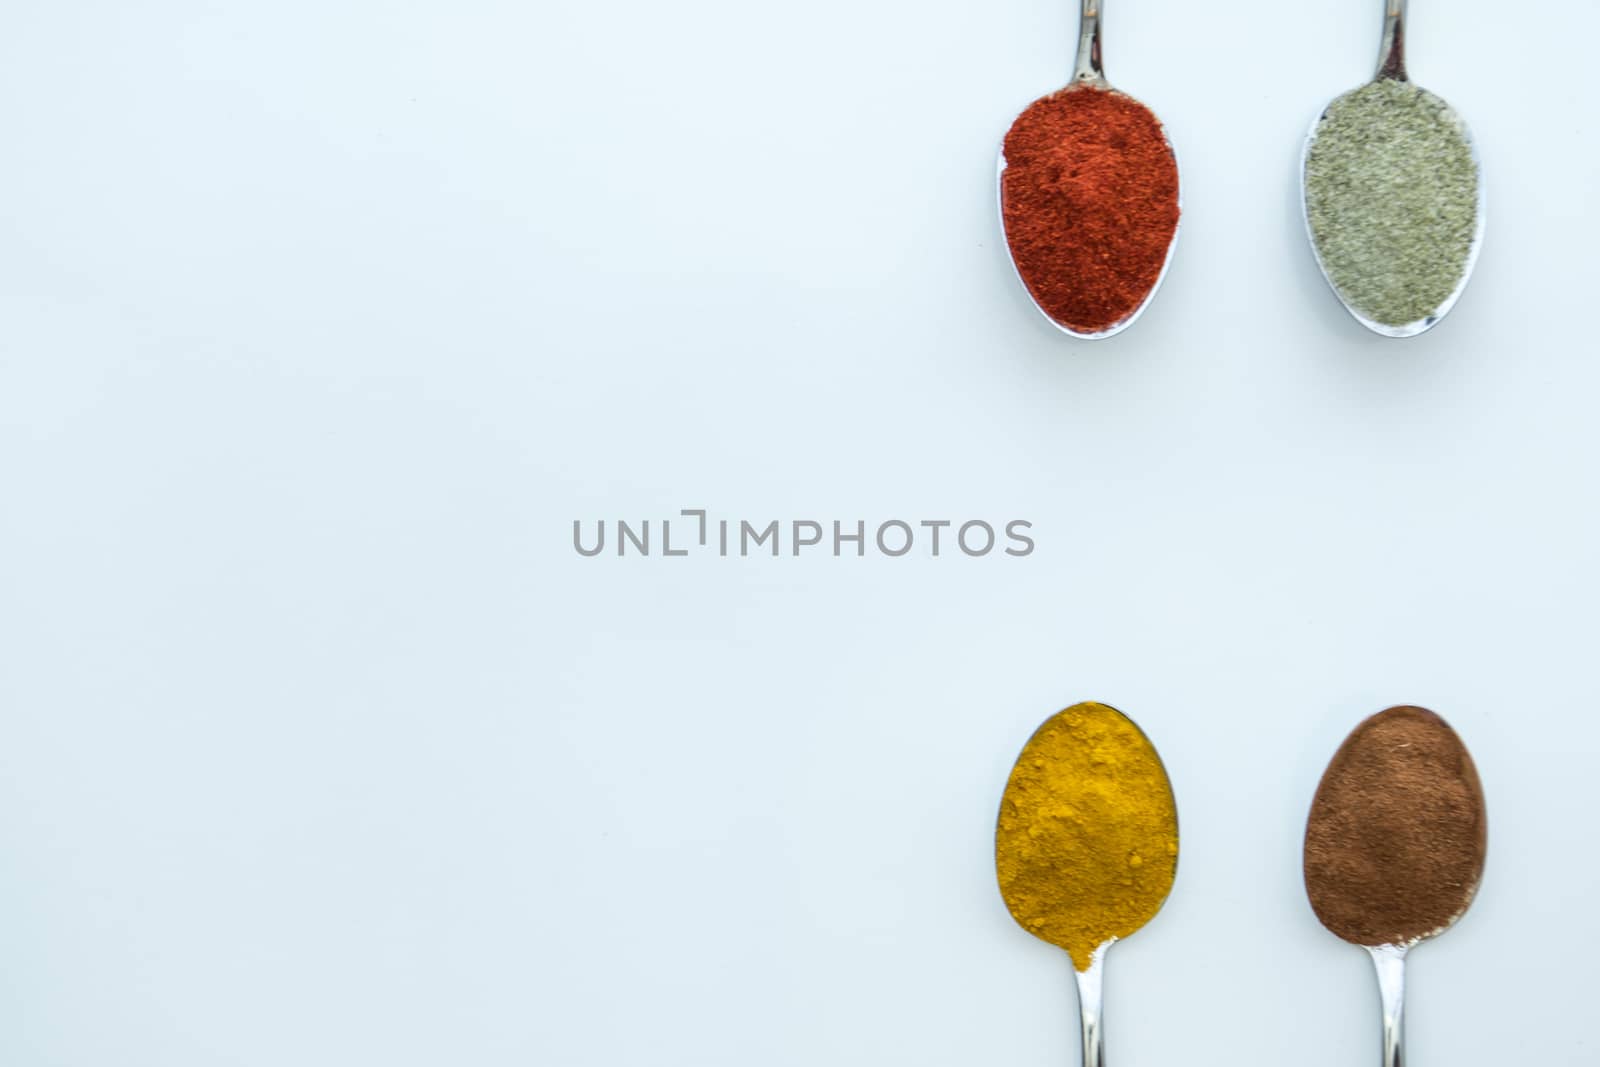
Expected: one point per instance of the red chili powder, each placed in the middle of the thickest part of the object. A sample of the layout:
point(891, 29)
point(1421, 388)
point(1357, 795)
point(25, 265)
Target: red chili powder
point(1090, 201)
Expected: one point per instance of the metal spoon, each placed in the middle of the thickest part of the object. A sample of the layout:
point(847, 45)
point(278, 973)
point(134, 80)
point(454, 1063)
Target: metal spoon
point(1396, 884)
point(1090, 72)
point(1026, 818)
point(1392, 67)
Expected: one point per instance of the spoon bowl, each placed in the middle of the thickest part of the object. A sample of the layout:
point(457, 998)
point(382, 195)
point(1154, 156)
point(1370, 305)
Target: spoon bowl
point(1392, 69)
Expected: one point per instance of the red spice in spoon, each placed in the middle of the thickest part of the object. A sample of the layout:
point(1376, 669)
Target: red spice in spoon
point(1090, 202)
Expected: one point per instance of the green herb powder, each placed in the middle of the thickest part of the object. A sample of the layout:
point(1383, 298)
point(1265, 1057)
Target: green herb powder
point(1392, 195)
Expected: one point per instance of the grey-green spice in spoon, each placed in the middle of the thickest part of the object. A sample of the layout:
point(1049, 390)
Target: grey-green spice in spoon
point(1393, 195)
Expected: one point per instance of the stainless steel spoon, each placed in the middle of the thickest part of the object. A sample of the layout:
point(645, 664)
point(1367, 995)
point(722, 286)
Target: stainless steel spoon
point(1395, 845)
point(1392, 67)
point(1090, 73)
point(1041, 840)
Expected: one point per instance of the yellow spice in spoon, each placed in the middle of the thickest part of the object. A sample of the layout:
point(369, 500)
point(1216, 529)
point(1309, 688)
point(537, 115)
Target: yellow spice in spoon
point(1087, 843)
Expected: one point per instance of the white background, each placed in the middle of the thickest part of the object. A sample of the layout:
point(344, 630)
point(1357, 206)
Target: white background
point(321, 322)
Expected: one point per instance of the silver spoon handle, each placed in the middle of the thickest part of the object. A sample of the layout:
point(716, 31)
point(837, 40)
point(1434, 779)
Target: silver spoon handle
point(1390, 962)
point(1090, 69)
point(1392, 50)
point(1089, 987)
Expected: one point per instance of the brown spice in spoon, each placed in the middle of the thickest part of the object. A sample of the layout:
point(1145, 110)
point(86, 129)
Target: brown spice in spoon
point(1396, 838)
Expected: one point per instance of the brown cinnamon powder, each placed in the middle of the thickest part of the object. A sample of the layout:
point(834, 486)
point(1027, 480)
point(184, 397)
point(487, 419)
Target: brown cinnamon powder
point(1397, 834)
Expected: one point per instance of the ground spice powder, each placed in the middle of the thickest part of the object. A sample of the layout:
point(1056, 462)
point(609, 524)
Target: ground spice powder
point(1089, 198)
point(1396, 839)
point(1392, 197)
point(1086, 846)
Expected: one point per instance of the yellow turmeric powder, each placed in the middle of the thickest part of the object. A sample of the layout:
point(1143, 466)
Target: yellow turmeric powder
point(1087, 842)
